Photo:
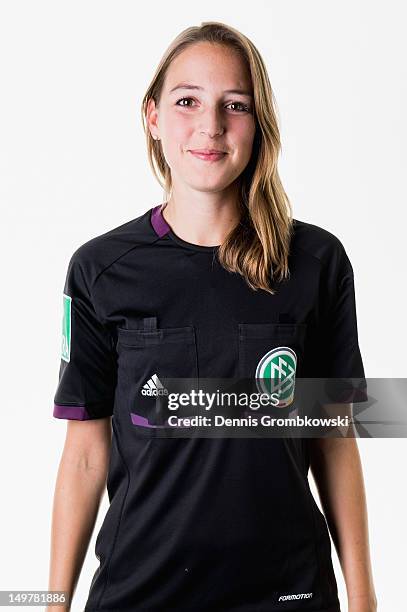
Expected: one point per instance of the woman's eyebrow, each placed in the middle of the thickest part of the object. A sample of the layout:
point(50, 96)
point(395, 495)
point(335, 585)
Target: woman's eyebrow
point(227, 91)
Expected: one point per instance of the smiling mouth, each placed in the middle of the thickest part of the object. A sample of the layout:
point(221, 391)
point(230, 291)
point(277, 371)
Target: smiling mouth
point(207, 151)
point(208, 155)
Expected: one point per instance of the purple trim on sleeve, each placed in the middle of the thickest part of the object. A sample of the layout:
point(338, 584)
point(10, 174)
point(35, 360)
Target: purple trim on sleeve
point(77, 413)
point(158, 222)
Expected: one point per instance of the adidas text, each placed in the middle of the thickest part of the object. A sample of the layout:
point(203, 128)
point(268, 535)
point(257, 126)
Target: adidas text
point(154, 392)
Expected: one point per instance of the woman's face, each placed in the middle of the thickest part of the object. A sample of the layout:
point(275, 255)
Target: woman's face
point(206, 103)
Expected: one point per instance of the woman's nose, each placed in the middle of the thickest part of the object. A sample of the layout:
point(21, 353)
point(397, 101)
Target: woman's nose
point(211, 123)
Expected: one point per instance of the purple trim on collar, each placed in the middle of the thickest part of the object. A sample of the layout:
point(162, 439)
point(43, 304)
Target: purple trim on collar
point(158, 222)
point(77, 413)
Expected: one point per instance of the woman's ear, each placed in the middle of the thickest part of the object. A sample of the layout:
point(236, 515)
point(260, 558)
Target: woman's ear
point(152, 119)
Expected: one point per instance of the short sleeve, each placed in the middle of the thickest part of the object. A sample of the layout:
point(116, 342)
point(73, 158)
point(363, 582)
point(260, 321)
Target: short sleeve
point(88, 367)
point(341, 355)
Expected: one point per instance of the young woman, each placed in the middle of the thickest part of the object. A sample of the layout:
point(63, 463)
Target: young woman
point(205, 285)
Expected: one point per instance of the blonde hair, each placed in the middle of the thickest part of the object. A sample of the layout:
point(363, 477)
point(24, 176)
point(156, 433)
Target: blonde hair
point(258, 247)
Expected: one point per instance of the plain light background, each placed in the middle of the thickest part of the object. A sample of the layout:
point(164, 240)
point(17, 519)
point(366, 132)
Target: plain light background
point(73, 165)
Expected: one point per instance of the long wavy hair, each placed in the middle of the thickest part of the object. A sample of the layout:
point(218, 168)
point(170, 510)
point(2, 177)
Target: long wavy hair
point(258, 247)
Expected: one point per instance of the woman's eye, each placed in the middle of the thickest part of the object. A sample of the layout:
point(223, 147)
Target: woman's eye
point(243, 107)
point(182, 100)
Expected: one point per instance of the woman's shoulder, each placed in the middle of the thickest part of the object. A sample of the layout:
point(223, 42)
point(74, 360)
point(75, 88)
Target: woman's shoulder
point(99, 252)
point(317, 242)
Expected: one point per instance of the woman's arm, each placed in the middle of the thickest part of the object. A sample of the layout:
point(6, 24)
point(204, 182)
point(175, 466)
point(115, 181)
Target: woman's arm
point(337, 471)
point(79, 488)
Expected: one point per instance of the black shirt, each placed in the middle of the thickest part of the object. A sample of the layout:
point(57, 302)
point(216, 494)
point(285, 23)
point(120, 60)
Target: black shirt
point(194, 523)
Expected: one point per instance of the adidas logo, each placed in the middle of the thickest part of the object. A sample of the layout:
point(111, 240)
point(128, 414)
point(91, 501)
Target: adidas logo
point(153, 387)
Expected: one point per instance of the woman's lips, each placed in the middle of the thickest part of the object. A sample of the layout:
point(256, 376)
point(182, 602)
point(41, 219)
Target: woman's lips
point(208, 156)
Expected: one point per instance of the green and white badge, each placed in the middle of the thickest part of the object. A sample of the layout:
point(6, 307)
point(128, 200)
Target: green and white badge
point(66, 328)
point(275, 373)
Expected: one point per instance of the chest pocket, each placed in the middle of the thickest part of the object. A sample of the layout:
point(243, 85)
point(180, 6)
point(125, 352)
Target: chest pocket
point(146, 355)
point(271, 351)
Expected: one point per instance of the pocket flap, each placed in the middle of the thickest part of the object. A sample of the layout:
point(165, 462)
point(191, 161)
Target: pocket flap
point(271, 330)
